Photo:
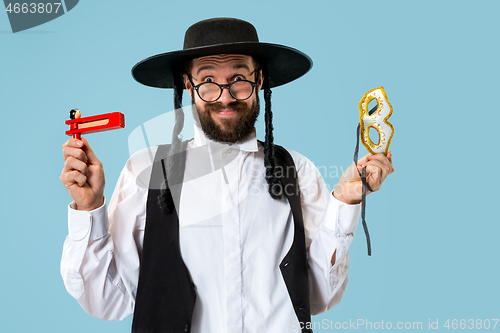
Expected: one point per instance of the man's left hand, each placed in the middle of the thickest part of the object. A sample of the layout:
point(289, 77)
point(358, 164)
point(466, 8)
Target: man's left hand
point(378, 167)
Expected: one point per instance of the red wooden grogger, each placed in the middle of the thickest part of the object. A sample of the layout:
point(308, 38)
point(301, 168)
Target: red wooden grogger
point(93, 124)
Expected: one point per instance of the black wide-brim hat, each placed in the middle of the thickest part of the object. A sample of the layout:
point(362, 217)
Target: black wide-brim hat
point(223, 36)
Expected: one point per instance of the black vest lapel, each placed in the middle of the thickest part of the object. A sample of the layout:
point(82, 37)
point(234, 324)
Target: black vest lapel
point(294, 265)
point(165, 293)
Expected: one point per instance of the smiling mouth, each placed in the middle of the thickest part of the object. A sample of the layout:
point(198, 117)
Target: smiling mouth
point(226, 112)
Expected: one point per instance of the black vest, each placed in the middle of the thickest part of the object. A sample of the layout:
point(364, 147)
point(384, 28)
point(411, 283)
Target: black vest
point(166, 294)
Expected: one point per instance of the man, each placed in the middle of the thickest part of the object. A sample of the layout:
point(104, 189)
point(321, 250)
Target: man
point(228, 250)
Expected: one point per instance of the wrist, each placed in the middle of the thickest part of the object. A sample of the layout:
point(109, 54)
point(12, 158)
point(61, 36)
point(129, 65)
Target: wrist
point(89, 207)
point(349, 201)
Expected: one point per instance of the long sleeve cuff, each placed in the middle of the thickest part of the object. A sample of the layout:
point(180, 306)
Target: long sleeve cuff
point(334, 236)
point(346, 216)
point(93, 224)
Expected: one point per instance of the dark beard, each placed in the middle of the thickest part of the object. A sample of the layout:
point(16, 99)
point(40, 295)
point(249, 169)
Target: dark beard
point(236, 129)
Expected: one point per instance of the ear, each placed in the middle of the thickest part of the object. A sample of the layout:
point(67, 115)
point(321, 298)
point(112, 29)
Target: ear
point(187, 84)
point(260, 81)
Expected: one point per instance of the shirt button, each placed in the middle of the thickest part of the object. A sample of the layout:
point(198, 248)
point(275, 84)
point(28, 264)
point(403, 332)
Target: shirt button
point(229, 150)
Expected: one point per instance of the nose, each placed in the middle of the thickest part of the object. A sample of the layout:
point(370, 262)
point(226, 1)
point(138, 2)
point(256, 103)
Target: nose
point(226, 97)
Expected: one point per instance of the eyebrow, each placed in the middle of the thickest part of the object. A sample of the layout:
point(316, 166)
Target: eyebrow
point(206, 67)
point(236, 67)
point(210, 67)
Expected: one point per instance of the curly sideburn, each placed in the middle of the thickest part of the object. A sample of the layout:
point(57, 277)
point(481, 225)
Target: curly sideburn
point(165, 199)
point(275, 189)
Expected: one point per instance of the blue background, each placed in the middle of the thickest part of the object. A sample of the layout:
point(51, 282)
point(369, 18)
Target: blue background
point(434, 226)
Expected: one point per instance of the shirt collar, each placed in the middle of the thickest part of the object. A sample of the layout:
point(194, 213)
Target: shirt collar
point(249, 144)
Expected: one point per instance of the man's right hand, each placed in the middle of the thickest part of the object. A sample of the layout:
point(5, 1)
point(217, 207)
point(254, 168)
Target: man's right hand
point(83, 174)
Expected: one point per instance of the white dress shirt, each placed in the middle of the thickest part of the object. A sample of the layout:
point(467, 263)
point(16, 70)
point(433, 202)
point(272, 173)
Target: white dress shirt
point(233, 236)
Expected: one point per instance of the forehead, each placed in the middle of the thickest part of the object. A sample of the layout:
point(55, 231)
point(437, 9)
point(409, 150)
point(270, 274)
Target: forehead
point(223, 62)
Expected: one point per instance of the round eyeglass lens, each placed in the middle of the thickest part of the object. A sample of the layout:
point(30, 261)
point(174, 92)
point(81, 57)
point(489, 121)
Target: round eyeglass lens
point(241, 89)
point(209, 91)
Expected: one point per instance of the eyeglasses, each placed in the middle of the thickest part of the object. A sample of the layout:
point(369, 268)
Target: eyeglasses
point(210, 91)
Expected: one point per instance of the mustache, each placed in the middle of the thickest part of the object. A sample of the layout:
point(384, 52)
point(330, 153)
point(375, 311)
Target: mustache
point(237, 106)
